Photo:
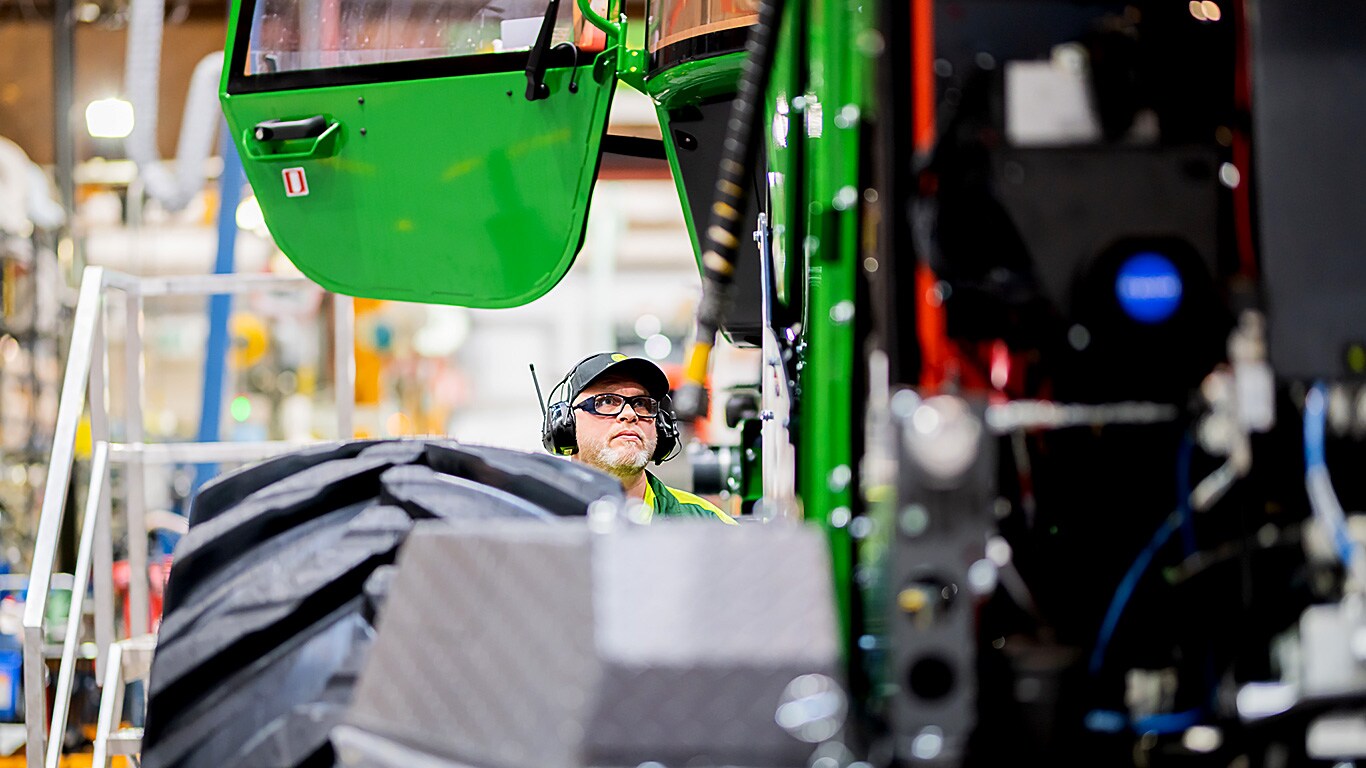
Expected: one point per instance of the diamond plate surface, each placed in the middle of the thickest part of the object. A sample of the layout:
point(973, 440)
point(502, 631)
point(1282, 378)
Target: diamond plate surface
point(516, 645)
point(477, 619)
point(700, 633)
point(680, 593)
point(717, 714)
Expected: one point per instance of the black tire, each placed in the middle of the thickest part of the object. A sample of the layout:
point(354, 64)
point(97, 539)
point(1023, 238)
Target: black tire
point(271, 603)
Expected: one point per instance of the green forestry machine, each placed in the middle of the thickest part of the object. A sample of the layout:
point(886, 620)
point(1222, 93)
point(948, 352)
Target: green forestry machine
point(1062, 311)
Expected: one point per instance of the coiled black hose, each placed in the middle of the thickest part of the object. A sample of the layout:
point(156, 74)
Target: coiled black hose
point(722, 237)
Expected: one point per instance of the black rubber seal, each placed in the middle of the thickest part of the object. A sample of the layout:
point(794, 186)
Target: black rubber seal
point(700, 47)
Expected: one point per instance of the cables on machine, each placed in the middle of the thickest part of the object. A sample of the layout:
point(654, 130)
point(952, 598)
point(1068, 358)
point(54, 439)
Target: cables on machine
point(1323, 500)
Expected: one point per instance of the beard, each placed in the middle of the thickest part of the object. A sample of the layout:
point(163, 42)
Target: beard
point(620, 461)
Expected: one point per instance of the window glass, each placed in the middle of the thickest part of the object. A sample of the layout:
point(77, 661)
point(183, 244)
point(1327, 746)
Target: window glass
point(673, 21)
point(293, 35)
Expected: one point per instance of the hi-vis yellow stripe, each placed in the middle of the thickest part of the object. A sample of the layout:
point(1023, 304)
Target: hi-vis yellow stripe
point(688, 498)
point(649, 503)
point(685, 498)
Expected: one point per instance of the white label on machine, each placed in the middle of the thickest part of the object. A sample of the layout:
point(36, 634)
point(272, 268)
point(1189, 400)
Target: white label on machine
point(296, 183)
point(1048, 104)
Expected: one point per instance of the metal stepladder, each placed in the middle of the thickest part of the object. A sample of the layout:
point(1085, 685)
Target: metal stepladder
point(122, 661)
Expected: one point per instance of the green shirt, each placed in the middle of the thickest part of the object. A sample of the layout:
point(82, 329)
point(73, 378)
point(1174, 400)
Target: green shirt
point(671, 502)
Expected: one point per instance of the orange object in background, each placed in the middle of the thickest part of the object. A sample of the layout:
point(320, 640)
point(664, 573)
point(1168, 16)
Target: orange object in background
point(587, 37)
point(82, 760)
point(157, 573)
point(369, 357)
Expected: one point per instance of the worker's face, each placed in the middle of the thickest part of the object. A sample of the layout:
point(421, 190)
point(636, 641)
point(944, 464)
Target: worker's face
point(619, 445)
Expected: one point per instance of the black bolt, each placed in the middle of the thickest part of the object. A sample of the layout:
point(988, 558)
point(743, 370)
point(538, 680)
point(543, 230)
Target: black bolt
point(509, 93)
point(362, 131)
point(360, 99)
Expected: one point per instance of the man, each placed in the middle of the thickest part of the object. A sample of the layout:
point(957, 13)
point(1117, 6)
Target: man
point(618, 417)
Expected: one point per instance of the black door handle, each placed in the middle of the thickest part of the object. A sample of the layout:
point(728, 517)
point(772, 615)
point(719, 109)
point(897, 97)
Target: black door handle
point(280, 130)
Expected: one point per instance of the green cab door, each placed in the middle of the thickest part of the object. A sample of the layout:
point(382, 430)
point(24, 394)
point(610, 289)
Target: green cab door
point(402, 149)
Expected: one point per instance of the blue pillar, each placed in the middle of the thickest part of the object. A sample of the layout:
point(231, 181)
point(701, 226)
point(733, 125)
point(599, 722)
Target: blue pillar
point(216, 351)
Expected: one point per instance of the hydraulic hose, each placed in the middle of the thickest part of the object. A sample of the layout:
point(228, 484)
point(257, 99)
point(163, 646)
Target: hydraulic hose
point(723, 235)
point(142, 78)
point(1323, 500)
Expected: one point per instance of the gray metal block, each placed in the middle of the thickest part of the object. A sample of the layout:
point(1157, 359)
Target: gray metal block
point(517, 646)
point(699, 632)
point(474, 619)
point(1309, 116)
point(718, 714)
point(945, 491)
point(668, 594)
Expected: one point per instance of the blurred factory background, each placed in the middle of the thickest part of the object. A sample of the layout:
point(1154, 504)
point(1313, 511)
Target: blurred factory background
point(71, 197)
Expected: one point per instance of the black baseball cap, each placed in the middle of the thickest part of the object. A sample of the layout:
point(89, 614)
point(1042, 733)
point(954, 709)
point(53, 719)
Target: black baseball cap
point(637, 369)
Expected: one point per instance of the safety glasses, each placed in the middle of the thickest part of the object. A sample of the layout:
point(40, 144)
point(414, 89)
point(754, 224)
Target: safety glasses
point(611, 404)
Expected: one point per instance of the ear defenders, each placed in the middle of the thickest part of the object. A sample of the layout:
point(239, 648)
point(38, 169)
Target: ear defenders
point(559, 431)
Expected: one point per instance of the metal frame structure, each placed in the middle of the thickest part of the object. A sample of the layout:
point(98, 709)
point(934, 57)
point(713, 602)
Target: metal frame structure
point(85, 380)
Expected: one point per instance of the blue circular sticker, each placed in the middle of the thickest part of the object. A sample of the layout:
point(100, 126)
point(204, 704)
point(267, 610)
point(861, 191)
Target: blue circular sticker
point(1148, 287)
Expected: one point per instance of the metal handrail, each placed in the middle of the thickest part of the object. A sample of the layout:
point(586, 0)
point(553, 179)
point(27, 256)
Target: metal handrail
point(99, 476)
point(109, 740)
point(85, 378)
point(111, 706)
point(54, 504)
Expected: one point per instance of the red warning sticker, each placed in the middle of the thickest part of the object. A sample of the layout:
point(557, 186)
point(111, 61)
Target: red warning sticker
point(296, 183)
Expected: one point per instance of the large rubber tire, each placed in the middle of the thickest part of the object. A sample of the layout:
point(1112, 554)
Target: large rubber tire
point(271, 603)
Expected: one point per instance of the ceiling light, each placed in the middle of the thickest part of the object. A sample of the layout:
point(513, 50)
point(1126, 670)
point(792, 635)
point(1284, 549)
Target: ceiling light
point(109, 118)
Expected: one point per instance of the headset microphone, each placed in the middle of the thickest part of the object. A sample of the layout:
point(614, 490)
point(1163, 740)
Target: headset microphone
point(539, 397)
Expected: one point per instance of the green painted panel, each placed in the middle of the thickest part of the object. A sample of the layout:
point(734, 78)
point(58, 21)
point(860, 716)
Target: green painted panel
point(452, 190)
point(694, 81)
point(830, 189)
point(783, 141)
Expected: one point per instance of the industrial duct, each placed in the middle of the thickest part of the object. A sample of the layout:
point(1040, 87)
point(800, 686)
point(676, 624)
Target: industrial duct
point(13, 189)
point(142, 77)
point(25, 202)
